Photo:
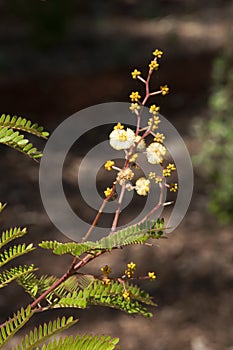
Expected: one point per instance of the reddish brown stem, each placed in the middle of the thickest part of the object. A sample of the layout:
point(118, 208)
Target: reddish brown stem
point(72, 270)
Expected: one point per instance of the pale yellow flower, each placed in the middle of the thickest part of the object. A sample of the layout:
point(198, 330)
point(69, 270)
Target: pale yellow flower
point(134, 107)
point(151, 275)
point(154, 65)
point(173, 187)
point(133, 158)
point(158, 180)
point(131, 265)
point(121, 139)
point(159, 137)
point(171, 166)
point(155, 153)
point(164, 89)
point(135, 73)
point(109, 164)
point(154, 109)
point(142, 186)
point(166, 172)
point(126, 295)
point(135, 96)
point(158, 53)
point(119, 126)
point(108, 191)
point(125, 175)
point(152, 175)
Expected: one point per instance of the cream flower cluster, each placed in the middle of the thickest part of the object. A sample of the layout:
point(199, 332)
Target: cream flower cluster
point(155, 153)
point(133, 142)
point(121, 139)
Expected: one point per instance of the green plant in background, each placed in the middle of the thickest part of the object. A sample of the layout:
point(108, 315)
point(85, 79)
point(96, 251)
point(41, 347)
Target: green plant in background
point(216, 142)
point(75, 289)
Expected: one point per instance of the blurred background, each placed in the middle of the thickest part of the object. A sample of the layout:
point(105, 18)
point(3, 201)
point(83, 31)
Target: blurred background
point(58, 57)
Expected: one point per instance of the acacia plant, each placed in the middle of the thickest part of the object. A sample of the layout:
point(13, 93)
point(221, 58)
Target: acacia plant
point(216, 152)
point(75, 289)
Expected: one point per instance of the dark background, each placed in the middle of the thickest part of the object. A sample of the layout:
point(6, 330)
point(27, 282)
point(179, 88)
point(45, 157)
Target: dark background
point(58, 57)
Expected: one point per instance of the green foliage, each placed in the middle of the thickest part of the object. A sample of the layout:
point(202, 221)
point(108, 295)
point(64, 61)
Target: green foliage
point(13, 273)
point(96, 292)
point(214, 160)
point(36, 286)
point(46, 331)
point(10, 134)
point(30, 283)
point(22, 124)
point(74, 289)
point(11, 234)
point(111, 295)
point(77, 291)
point(14, 251)
point(83, 342)
point(14, 324)
point(25, 276)
point(135, 234)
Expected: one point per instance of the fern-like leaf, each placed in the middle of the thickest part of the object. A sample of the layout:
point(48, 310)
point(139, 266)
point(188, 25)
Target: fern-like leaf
point(11, 234)
point(13, 273)
point(42, 333)
point(15, 140)
point(73, 248)
point(82, 342)
point(30, 283)
point(22, 124)
point(36, 286)
point(111, 295)
point(15, 251)
point(14, 324)
point(72, 285)
point(136, 234)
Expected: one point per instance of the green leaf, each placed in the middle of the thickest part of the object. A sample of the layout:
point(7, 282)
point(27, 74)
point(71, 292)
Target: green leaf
point(13, 325)
point(10, 128)
point(82, 342)
point(15, 251)
point(17, 141)
point(22, 124)
point(11, 234)
point(136, 234)
point(30, 283)
point(36, 286)
point(13, 273)
point(111, 295)
point(73, 248)
point(44, 332)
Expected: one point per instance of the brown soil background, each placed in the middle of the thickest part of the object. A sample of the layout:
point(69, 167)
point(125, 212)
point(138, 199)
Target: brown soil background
point(91, 64)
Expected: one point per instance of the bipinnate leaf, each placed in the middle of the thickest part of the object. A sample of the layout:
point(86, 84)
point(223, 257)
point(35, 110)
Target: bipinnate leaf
point(10, 134)
point(82, 342)
point(44, 332)
point(14, 324)
point(13, 273)
point(135, 234)
point(11, 234)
